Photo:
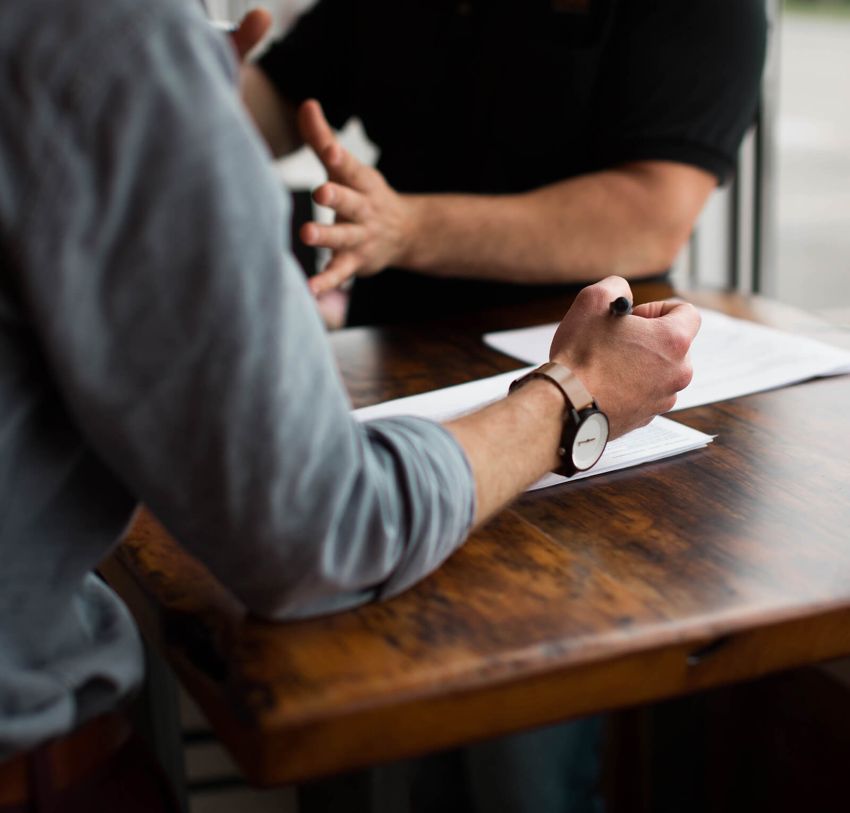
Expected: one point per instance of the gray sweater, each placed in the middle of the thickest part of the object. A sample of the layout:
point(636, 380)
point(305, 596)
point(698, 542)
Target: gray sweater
point(158, 344)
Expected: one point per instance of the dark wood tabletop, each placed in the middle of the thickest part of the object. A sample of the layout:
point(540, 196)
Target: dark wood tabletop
point(712, 567)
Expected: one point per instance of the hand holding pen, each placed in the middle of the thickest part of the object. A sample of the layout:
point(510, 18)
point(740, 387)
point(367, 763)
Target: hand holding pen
point(633, 367)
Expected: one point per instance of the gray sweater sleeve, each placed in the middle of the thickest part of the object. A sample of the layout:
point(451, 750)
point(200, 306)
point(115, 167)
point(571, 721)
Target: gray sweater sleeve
point(188, 349)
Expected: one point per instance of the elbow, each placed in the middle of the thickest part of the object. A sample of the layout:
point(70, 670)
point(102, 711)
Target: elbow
point(666, 200)
point(302, 581)
point(669, 241)
point(288, 607)
point(662, 233)
point(653, 252)
point(327, 560)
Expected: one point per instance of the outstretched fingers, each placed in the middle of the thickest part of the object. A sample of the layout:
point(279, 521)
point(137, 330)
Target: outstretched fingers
point(347, 203)
point(342, 267)
point(314, 127)
point(344, 168)
point(339, 163)
point(337, 237)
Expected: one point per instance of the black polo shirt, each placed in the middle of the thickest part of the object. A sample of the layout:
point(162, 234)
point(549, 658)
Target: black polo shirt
point(501, 96)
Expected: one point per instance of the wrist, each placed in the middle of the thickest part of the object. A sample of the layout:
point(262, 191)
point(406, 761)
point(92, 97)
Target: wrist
point(585, 429)
point(543, 405)
point(413, 249)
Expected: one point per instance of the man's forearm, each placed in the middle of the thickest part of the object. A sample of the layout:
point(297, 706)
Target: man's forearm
point(511, 444)
point(631, 221)
point(274, 116)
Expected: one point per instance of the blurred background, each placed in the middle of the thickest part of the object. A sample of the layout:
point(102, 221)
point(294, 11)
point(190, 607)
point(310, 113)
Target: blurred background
point(813, 150)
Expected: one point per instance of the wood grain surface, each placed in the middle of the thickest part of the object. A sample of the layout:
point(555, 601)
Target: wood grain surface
point(713, 567)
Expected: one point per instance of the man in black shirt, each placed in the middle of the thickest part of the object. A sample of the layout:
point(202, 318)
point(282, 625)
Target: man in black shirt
point(541, 142)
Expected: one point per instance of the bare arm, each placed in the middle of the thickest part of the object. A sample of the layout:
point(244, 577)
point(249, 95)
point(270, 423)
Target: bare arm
point(273, 115)
point(528, 426)
point(629, 220)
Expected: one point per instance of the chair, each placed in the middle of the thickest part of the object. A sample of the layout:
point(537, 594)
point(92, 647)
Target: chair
point(733, 246)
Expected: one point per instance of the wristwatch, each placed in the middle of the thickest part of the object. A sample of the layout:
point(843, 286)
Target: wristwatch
point(585, 431)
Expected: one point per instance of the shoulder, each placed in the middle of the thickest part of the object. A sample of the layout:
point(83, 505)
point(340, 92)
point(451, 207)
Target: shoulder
point(108, 92)
point(74, 47)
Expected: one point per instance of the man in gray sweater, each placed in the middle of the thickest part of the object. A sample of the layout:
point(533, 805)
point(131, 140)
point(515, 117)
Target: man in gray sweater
point(160, 345)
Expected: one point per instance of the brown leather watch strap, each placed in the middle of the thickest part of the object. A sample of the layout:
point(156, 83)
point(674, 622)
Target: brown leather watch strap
point(575, 393)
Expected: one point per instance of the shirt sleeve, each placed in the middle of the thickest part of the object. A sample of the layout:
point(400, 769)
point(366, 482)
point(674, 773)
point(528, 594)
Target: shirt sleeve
point(316, 60)
point(187, 347)
point(681, 82)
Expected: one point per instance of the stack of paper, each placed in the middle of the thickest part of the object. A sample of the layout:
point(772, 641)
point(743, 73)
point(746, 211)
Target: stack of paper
point(731, 357)
point(661, 438)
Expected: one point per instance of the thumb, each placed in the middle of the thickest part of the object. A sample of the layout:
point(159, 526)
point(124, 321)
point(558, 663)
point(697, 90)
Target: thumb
point(252, 28)
point(655, 310)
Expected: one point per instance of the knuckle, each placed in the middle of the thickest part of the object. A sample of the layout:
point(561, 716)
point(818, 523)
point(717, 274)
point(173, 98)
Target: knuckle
point(614, 282)
point(696, 316)
point(684, 376)
point(597, 297)
point(678, 341)
point(667, 404)
point(690, 321)
point(591, 297)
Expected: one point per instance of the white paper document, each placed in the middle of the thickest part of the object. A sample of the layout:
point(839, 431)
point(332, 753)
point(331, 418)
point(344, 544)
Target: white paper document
point(731, 357)
point(661, 438)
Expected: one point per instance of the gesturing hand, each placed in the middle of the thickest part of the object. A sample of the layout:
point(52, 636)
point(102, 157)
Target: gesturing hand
point(251, 29)
point(373, 221)
point(633, 365)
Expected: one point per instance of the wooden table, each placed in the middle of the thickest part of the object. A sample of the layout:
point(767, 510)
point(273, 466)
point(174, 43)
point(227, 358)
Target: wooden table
point(717, 566)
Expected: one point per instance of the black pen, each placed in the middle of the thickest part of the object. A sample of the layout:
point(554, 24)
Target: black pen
point(621, 306)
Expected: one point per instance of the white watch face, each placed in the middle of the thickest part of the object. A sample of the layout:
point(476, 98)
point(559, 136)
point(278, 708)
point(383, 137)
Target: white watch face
point(590, 441)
